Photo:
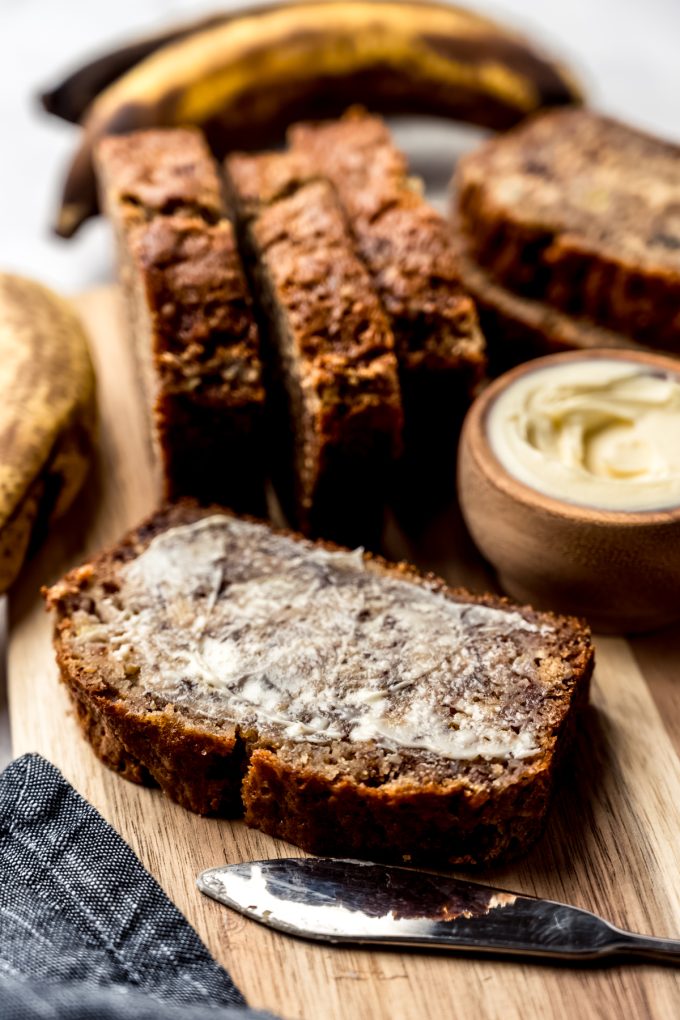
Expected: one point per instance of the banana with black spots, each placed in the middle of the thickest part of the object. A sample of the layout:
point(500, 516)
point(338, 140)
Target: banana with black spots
point(47, 414)
point(245, 80)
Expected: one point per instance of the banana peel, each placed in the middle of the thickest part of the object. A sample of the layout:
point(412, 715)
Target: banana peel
point(245, 80)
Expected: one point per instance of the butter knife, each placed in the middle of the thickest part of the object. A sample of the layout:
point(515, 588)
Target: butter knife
point(345, 901)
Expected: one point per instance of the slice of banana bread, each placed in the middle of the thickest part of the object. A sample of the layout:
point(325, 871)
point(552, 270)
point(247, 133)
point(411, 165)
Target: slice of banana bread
point(406, 246)
point(190, 310)
point(580, 213)
point(330, 346)
point(349, 705)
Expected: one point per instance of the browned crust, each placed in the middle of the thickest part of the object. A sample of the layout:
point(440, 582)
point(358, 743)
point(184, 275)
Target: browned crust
point(203, 766)
point(519, 329)
point(191, 313)
point(330, 341)
point(580, 212)
point(455, 824)
point(160, 172)
point(404, 242)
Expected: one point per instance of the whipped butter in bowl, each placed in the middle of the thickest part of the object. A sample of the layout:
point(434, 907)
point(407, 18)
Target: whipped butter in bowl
point(600, 432)
point(569, 482)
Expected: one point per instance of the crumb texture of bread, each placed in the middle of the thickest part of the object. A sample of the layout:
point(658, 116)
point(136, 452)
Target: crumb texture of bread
point(331, 347)
point(406, 247)
point(343, 703)
point(191, 314)
point(581, 213)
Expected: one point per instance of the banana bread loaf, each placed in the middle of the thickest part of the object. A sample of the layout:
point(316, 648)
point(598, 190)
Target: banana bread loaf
point(346, 704)
point(330, 348)
point(571, 222)
point(191, 315)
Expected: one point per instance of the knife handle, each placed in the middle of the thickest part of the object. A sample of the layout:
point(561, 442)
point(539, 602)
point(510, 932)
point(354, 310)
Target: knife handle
point(647, 947)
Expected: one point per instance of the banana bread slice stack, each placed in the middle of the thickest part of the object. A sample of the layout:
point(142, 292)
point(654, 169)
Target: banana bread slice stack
point(190, 311)
point(407, 248)
point(569, 237)
point(330, 347)
point(348, 705)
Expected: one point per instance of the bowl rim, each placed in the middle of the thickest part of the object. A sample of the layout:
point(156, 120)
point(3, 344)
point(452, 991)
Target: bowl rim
point(475, 434)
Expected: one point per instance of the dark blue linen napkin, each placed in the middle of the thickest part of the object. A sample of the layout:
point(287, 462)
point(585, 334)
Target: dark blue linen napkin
point(85, 931)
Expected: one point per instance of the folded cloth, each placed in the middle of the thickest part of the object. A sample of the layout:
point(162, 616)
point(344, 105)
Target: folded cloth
point(85, 931)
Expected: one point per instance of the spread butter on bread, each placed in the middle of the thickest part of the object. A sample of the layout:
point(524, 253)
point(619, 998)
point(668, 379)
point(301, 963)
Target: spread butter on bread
point(346, 704)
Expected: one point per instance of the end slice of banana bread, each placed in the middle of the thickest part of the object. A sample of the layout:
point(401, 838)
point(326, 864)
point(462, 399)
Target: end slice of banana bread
point(191, 314)
point(348, 705)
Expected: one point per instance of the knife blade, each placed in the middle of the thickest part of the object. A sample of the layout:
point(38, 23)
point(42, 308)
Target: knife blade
point(346, 901)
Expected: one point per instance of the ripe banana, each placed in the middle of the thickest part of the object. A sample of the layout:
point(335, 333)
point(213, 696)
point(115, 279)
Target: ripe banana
point(47, 414)
point(245, 80)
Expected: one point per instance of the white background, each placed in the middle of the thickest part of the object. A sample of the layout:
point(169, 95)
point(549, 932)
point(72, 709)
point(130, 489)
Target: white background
point(626, 51)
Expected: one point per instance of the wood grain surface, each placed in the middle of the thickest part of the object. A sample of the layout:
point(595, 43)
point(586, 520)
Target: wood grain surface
point(612, 843)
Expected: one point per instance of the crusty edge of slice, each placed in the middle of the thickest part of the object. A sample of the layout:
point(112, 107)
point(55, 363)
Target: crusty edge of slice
point(406, 247)
point(519, 329)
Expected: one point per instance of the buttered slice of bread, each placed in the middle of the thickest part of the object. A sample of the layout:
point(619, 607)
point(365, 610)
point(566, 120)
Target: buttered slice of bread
point(347, 704)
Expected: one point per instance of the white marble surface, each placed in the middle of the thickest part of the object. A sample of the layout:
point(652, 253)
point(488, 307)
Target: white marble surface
point(626, 51)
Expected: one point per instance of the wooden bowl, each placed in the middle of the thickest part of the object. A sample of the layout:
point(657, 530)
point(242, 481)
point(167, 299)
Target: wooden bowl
point(619, 569)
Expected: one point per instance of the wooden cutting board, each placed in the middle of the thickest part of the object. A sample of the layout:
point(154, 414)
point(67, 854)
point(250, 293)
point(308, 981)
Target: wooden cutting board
point(612, 844)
